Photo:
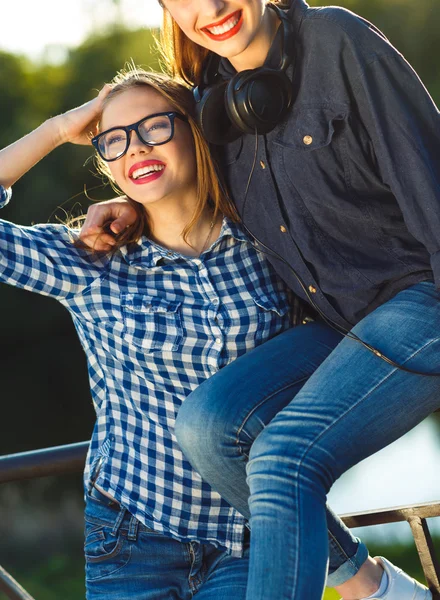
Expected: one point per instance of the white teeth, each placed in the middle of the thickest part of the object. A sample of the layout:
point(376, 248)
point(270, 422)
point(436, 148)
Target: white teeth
point(146, 171)
point(219, 29)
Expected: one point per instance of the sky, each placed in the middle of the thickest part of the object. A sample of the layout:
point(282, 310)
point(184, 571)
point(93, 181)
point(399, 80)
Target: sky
point(29, 26)
point(405, 472)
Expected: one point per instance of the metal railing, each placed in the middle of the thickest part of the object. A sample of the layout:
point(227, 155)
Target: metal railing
point(61, 460)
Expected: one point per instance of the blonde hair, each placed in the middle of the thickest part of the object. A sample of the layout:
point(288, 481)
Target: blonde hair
point(210, 189)
point(182, 57)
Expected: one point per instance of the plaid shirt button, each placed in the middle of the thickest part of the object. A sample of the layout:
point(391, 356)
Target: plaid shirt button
point(137, 390)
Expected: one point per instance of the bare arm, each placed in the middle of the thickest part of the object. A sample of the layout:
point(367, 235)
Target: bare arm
point(77, 126)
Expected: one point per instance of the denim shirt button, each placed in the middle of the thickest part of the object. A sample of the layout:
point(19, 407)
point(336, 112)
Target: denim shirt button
point(312, 289)
point(307, 139)
point(283, 229)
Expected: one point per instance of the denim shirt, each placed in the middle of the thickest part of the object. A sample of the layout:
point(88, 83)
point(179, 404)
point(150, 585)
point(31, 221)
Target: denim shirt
point(347, 188)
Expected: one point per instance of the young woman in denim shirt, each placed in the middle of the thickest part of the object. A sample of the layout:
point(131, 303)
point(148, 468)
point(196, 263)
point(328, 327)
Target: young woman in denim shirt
point(336, 172)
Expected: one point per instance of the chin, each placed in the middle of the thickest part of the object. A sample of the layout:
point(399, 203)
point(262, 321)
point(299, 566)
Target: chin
point(231, 50)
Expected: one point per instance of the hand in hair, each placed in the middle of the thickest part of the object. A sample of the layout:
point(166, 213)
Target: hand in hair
point(79, 125)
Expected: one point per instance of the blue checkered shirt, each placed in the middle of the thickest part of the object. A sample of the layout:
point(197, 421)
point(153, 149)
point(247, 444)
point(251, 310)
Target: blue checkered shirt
point(154, 325)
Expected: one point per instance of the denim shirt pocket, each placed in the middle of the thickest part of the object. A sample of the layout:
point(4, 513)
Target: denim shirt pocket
point(310, 128)
point(316, 163)
point(152, 323)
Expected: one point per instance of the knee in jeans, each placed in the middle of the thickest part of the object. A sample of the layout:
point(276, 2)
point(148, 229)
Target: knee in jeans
point(187, 428)
point(198, 429)
point(293, 460)
point(266, 447)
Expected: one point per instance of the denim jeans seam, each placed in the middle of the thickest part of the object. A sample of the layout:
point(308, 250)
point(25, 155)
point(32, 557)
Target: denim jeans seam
point(255, 408)
point(105, 557)
point(309, 448)
point(98, 521)
point(194, 581)
point(348, 558)
point(378, 384)
point(93, 579)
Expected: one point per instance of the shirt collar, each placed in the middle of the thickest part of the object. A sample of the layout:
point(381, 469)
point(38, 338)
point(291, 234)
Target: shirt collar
point(147, 253)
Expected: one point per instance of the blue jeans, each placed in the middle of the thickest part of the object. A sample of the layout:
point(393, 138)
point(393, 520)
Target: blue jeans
point(352, 406)
point(220, 420)
point(127, 561)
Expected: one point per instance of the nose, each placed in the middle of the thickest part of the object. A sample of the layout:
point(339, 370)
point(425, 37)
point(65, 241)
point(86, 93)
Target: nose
point(136, 145)
point(213, 8)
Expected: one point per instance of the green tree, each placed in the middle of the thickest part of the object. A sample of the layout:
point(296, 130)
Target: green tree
point(43, 369)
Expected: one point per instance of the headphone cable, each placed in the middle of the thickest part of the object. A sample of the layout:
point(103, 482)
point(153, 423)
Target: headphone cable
point(328, 320)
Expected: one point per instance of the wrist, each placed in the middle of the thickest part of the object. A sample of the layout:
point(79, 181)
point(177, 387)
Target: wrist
point(55, 131)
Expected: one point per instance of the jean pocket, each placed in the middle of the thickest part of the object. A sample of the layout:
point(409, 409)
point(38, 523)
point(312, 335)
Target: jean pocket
point(152, 323)
point(104, 553)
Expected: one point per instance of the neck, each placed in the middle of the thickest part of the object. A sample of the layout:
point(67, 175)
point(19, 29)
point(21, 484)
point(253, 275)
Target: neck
point(167, 227)
point(256, 53)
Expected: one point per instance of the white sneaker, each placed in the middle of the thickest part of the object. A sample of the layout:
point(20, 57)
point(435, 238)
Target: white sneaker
point(401, 586)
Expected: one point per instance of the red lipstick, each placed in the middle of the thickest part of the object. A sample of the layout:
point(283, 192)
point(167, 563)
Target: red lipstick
point(149, 174)
point(227, 34)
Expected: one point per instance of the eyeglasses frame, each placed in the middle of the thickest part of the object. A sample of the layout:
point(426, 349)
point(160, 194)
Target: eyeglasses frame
point(135, 127)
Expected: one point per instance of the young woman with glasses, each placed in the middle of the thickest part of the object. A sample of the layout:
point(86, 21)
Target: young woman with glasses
point(182, 294)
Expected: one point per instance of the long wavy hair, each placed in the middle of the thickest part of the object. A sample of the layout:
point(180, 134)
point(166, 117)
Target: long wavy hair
point(182, 57)
point(210, 189)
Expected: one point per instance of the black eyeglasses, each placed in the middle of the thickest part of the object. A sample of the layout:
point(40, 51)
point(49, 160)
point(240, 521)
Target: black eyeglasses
point(153, 130)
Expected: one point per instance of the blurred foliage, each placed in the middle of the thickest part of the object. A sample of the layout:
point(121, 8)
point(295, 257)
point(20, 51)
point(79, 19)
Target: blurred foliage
point(44, 373)
point(59, 576)
point(43, 368)
point(45, 394)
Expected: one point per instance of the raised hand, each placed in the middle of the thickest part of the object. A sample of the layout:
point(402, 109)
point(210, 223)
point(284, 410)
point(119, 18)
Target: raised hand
point(79, 125)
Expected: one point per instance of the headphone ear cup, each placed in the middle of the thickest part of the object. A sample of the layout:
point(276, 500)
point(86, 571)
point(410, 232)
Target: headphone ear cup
point(213, 118)
point(258, 100)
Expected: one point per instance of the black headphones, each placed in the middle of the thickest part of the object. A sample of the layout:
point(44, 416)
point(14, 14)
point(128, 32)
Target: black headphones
point(254, 100)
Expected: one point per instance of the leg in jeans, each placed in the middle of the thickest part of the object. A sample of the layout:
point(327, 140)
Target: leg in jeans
point(219, 421)
point(225, 577)
point(352, 406)
point(127, 561)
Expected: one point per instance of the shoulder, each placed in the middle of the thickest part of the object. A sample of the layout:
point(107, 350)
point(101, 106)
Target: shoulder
point(337, 29)
point(53, 233)
point(59, 240)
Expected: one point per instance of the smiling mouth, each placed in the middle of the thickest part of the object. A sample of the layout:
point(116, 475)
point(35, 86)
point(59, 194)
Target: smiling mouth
point(226, 28)
point(145, 172)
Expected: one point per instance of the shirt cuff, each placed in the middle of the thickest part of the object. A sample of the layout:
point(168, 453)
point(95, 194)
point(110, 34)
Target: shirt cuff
point(435, 264)
point(5, 196)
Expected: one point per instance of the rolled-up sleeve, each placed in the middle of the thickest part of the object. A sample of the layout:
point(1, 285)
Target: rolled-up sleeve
point(404, 125)
point(44, 259)
point(5, 196)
